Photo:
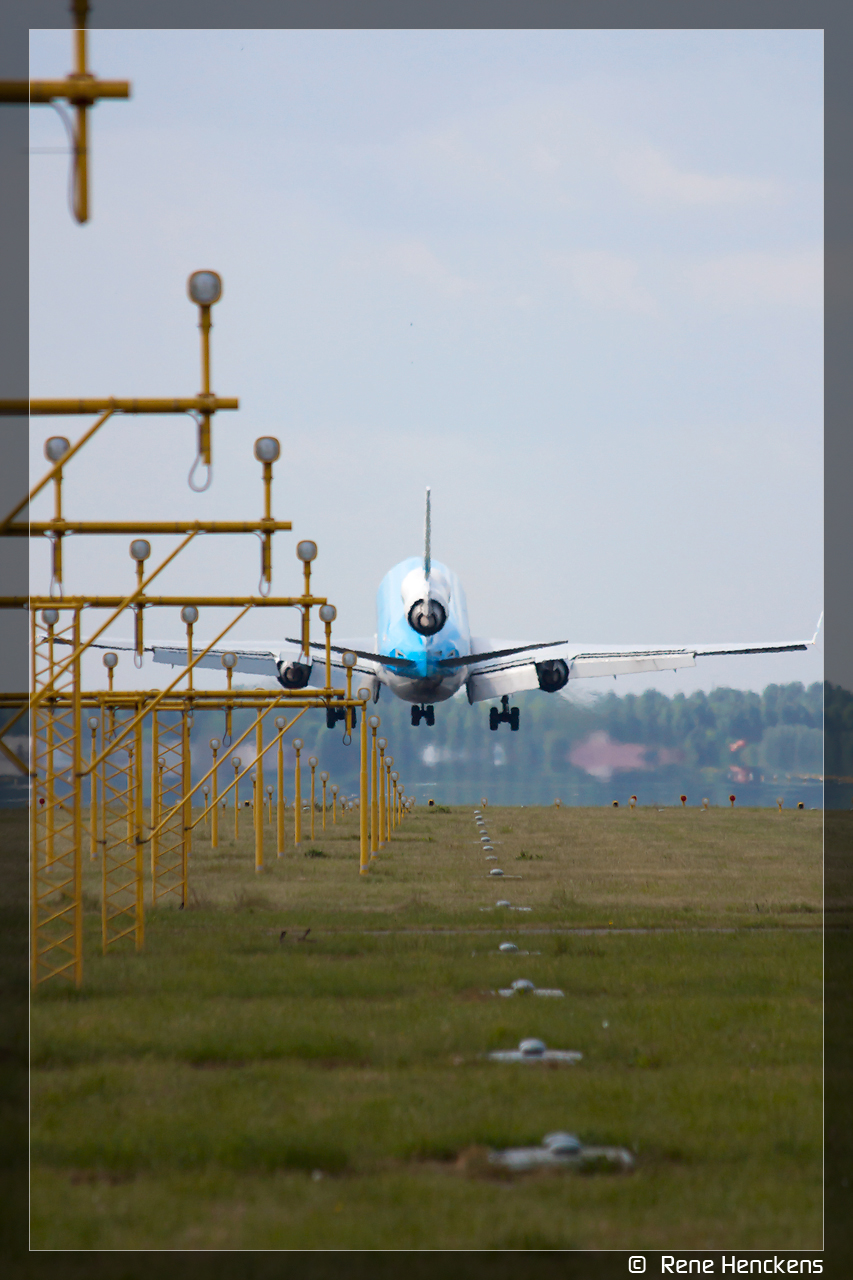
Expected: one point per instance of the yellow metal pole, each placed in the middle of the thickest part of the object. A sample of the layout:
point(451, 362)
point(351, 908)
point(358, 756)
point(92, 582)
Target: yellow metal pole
point(259, 795)
point(381, 743)
point(389, 816)
point(186, 842)
point(374, 794)
point(364, 844)
point(280, 722)
point(324, 778)
point(204, 324)
point(93, 801)
point(214, 793)
point(235, 760)
point(156, 789)
point(34, 824)
point(77, 763)
point(334, 805)
point(297, 794)
point(140, 844)
point(129, 797)
point(81, 175)
point(50, 789)
point(313, 762)
point(269, 803)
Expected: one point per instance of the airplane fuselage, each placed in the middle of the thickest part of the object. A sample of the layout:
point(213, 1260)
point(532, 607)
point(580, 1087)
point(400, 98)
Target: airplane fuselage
point(425, 681)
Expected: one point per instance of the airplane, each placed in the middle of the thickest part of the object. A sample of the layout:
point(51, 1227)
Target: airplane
point(423, 651)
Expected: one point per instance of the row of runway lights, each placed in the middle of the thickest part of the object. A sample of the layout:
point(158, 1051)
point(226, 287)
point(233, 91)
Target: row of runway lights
point(706, 803)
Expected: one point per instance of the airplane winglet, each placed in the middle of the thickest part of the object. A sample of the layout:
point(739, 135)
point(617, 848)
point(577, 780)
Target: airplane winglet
point(817, 629)
point(427, 539)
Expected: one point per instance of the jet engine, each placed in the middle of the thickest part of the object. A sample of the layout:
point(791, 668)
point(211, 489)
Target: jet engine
point(427, 617)
point(426, 599)
point(294, 675)
point(553, 674)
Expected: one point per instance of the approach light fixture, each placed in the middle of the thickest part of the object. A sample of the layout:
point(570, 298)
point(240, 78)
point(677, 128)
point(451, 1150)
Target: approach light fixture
point(324, 777)
point(363, 695)
point(236, 761)
point(327, 612)
point(267, 449)
point(50, 617)
point(189, 614)
point(306, 551)
point(394, 775)
point(140, 549)
point(297, 744)
point(215, 744)
point(205, 287)
point(374, 722)
point(382, 743)
point(93, 723)
point(313, 761)
point(56, 448)
point(349, 659)
point(229, 661)
point(280, 722)
point(110, 660)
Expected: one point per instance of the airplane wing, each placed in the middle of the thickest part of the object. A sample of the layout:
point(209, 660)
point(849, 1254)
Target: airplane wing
point(496, 671)
point(259, 659)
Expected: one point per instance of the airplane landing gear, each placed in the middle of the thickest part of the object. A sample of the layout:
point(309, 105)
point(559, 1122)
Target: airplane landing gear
point(334, 714)
point(423, 713)
point(507, 715)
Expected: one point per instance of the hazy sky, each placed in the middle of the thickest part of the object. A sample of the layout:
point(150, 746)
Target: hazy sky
point(571, 280)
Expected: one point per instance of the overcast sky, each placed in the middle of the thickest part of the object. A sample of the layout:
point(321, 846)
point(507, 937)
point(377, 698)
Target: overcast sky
point(571, 280)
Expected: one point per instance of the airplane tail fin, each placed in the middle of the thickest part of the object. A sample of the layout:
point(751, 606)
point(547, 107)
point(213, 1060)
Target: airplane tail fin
point(427, 560)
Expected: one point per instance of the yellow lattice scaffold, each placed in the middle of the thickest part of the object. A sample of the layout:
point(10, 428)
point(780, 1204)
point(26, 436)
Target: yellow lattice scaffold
point(170, 800)
point(57, 822)
point(94, 799)
point(122, 909)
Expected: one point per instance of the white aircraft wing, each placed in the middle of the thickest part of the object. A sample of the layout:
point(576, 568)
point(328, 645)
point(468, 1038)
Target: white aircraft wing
point(257, 658)
point(496, 669)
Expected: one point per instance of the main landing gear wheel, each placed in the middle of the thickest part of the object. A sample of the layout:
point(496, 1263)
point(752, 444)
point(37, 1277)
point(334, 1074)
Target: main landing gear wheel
point(506, 715)
point(423, 713)
point(334, 714)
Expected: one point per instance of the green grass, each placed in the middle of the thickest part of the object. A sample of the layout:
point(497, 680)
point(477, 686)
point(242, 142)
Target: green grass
point(184, 1098)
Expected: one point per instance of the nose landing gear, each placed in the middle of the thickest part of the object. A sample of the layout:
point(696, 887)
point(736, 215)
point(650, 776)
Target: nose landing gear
point(507, 715)
point(423, 713)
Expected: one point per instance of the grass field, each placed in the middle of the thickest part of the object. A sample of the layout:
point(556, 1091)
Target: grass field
point(230, 1089)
